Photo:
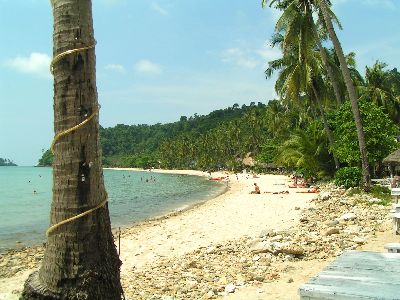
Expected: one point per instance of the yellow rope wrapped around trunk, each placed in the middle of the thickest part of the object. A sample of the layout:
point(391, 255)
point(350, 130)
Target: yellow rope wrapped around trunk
point(65, 132)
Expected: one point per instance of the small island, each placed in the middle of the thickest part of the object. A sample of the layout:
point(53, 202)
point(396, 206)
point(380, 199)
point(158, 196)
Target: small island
point(4, 162)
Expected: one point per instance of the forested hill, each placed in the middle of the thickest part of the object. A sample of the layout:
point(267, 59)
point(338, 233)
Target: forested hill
point(6, 162)
point(138, 145)
point(141, 142)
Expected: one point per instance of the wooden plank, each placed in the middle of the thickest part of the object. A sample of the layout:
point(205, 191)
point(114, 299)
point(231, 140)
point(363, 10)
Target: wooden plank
point(357, 275)
point(361, 275)
point(340, 290)
point(395, 192)
point(393, 247)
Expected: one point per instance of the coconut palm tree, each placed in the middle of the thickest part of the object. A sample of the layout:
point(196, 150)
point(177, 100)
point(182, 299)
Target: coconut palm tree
point(322, 8)
point(299, 67)
point(296, 13)
point(312, 87)
point(80, 260)
point(381, 88)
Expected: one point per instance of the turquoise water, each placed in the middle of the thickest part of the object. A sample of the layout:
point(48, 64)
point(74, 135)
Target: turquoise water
point(26, 192)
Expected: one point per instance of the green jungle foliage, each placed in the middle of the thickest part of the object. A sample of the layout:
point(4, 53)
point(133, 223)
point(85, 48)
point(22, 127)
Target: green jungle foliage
point(4, 162)
point(306, 151)
point(379, 133)
point(46, 160)
point(348, 177)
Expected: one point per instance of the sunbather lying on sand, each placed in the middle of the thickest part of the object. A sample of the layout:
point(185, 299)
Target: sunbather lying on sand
point(280, 192)
point(312, 190)
point(299, 185)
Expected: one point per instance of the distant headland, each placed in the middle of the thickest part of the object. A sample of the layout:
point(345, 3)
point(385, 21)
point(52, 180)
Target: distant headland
point(4, 162)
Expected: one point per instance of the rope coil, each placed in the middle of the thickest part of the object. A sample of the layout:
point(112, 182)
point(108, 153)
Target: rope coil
point(65, 53)
point(65, 132)
point(53, 227)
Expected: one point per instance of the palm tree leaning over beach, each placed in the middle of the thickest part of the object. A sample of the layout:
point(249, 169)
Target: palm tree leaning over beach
point(323, 9)
point(80, 260)
point(327, 13)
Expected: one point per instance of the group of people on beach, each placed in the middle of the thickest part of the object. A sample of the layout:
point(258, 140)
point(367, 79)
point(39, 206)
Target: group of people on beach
point(310, 189)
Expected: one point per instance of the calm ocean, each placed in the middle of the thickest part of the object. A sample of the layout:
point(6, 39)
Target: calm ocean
point(133, 197)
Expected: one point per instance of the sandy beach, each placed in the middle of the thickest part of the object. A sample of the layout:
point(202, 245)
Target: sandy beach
point(232, 215)
point(215, 244)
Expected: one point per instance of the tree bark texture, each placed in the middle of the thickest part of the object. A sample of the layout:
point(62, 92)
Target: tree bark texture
point(81, 260)
point(352, 94)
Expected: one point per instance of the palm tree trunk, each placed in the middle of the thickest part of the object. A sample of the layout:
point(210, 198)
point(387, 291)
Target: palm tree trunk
point(326, 126)
point(352, 94)
point(329, 70)
point(324, 57)
point(81, 260)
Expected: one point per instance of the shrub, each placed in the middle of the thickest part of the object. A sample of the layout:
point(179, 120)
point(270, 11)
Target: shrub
point(348, 177)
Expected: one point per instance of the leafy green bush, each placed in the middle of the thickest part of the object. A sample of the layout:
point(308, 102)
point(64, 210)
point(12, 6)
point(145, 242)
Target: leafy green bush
point(379, 132)
point(348, 177)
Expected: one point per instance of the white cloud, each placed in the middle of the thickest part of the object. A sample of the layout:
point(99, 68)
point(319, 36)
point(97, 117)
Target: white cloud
point(250, 58)
point(35, 63)
point(239, 57)
point(115, 67)
point(147, 67)
point(269, 53)
point(159, 9)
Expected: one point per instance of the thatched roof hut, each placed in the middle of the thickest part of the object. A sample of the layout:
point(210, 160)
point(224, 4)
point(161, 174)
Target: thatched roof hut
point(393, 158)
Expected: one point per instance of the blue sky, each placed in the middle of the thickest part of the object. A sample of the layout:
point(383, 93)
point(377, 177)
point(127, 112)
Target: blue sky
point(158, 60)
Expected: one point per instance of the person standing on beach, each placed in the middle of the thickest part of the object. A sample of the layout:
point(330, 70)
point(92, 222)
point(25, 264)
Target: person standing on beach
point(227, 179)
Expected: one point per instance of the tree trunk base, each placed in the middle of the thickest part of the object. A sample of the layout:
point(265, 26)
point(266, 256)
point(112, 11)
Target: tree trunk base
point(33, 289)
point(101, 289)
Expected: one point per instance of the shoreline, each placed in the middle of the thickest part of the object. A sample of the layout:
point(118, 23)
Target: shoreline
point(20, 246)
point(175, 212)
point(204, 251)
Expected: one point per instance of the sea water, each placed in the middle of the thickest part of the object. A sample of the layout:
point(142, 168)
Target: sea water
point(26, 193)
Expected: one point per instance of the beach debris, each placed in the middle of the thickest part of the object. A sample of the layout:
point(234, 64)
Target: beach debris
point(230, 288)
point(325, 195)
point(331, 231)
point(348, 216)
point(332, 223)
point(293, 250)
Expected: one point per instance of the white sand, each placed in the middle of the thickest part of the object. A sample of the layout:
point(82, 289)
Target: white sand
point(229, 216)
